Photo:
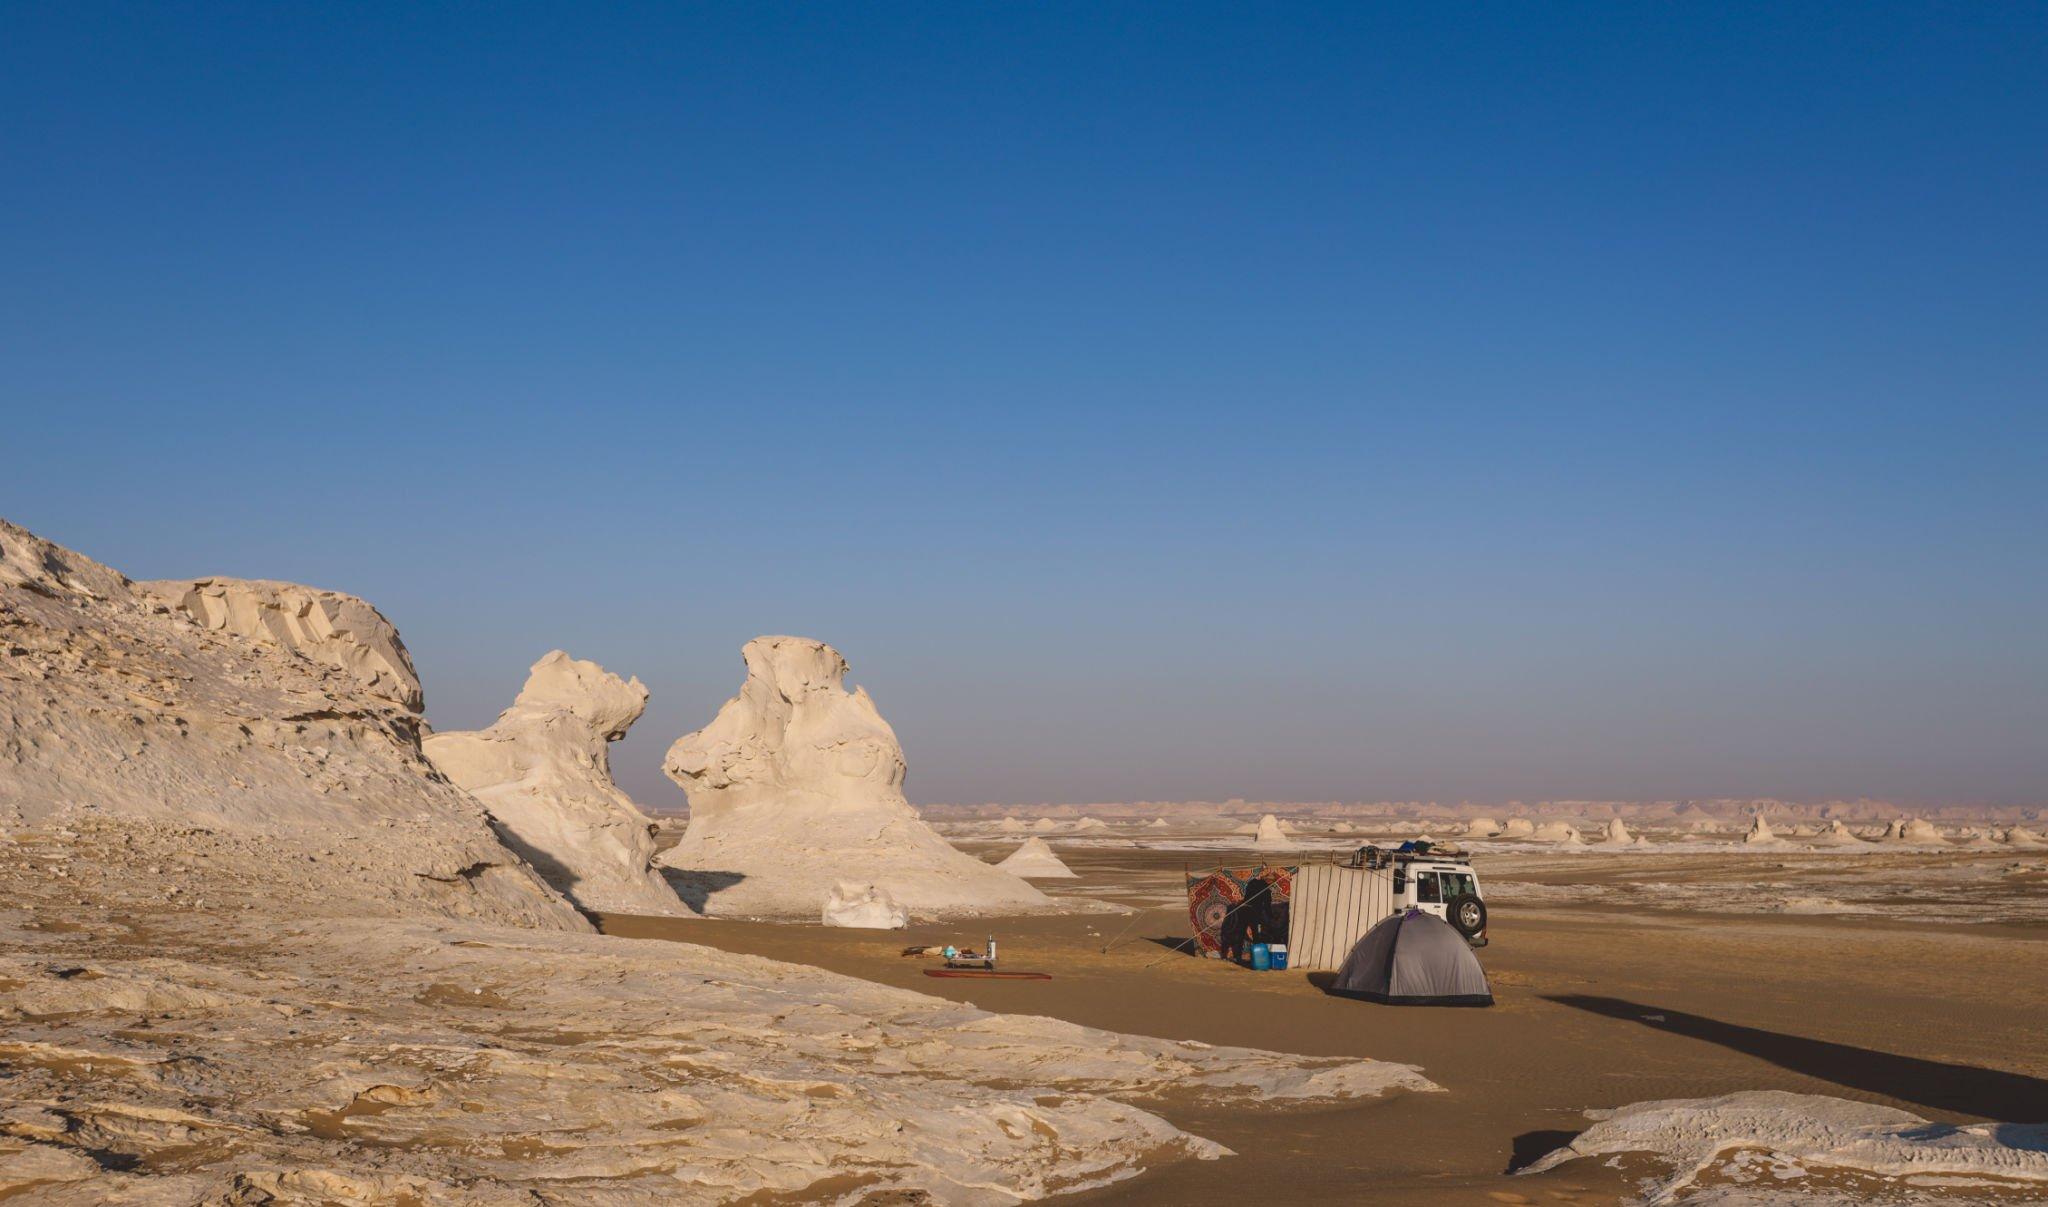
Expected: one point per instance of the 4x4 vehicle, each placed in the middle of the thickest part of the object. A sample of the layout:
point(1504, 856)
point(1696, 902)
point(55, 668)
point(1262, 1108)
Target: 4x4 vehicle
point(1436, 880)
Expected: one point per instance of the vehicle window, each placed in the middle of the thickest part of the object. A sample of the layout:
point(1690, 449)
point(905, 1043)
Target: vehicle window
point(1426, 890)
point(1459, 884)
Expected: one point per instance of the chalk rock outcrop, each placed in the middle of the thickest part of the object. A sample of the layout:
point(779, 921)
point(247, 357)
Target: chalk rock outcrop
point(1914, 830)
point(798, 783)
point(1482, 827)
point(863, 907)
point(1837, 834)
point(1760, 832)
point(279, 724)
point(1563, 833)
point(1036, 861)
point(1617, 835)
point(543, 769)
point(2020, 836)
point(1010, 825)
point(1270, 836)
point(1518, 827)
point(323, 626)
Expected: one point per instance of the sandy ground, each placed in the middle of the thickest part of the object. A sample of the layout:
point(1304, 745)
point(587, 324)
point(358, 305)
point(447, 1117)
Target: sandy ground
point(1599, 1004)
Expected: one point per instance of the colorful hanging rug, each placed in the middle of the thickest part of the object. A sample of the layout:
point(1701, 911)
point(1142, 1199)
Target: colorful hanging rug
point(1212, 896)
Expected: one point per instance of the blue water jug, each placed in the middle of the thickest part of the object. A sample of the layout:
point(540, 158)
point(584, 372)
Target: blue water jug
point(1276, 955)
point(1262, 957)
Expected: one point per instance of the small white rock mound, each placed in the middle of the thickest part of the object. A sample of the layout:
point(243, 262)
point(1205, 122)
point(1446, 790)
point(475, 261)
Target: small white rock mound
point(1837, 834)
point(1617, 835)
point(1760, 832)
point(1563, 833)
point(1482, 827)
point(543, 769)
point(1157, 823)
point(1010, 825)
point(1916, 831)
point(2020, 836)
point(1518, 827)
point(1270, 836)
point(863, 907)
point(1089, 825)
point(1034, 860)
point(1044, 825)
point(280, 718)
point(1803, 1132)
point(798, 783)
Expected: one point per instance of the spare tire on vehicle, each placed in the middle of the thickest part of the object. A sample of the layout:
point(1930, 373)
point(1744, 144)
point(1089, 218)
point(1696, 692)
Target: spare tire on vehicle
point(1466, 914)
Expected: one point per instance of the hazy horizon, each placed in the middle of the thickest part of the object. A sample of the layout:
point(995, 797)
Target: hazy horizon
point(1611, 404)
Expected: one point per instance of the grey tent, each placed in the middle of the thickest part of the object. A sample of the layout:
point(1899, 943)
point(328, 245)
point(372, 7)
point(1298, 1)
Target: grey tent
point(1414, 959)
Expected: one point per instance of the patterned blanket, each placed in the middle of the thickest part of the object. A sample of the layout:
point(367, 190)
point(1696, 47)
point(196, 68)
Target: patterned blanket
point(1213, 895)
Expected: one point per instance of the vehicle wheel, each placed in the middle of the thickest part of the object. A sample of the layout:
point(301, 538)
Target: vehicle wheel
point(1467, 914)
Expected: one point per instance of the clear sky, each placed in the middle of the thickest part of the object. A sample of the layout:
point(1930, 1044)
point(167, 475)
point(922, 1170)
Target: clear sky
point(1188, 401)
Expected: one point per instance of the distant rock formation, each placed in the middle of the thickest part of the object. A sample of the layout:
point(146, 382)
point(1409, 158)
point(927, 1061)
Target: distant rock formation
point(1837, 834)
point(543, 769)
point(1760, 832)
point(1036, 861)
point(1617, 835)
point(2020, 836)
point(241, 717)
point(1915, 831)
point(1561, 832)
point(1518, 827)
point(1270, 836)
point(1482, 827)
point(798, 783)
point(1010, 825)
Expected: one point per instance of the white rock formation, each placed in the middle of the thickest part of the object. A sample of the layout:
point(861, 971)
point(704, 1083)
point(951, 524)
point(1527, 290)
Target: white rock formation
point(1617, 835)
point(1010, 825)
point(1837, 834)
point(1518, 827)
point(1482, 827)
point(323, 626)
point(2020, 836)
point(1036, 861)
point(285, 716)
point(1044, 825)
point(1157, 823)
point(1760, 832)
point(543, 769)
point(863, 907)
point(1914, 830)
point(1561, 832)
point(1807, 1135)
point(798, 783)
point(1270, 836)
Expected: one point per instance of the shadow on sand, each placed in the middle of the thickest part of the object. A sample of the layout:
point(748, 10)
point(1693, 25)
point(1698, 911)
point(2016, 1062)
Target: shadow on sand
point(1938, 1085)
point(695, 888)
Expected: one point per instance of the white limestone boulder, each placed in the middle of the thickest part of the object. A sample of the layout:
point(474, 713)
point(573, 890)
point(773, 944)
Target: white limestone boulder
point(797, 784)
point(543, 769)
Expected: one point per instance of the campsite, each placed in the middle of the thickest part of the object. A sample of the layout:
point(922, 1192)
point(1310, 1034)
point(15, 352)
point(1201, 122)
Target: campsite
point(1592, 1005)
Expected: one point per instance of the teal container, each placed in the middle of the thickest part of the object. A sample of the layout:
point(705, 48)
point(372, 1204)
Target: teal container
point(1262, 957)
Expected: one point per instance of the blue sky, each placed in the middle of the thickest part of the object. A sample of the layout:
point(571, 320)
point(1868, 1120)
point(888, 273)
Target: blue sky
point(1471, 402)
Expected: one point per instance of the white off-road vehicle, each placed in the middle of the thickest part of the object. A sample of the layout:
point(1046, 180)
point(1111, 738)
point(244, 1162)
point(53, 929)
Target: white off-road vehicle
point(1437, 880)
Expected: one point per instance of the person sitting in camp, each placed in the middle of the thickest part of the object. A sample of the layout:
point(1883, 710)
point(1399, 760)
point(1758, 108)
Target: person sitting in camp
point(1250, 921)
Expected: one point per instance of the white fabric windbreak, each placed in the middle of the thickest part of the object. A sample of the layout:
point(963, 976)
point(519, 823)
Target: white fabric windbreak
point(1330, 909)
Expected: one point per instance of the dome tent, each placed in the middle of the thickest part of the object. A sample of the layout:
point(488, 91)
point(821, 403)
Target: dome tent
point(1413, 959)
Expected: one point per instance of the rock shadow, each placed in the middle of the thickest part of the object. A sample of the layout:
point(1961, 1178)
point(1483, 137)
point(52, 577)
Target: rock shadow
point(1531, 1147)
point(1935, 1084)
point(696, 887)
